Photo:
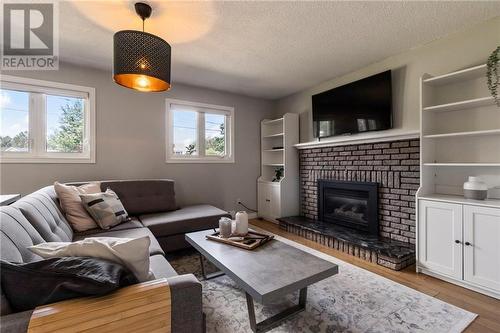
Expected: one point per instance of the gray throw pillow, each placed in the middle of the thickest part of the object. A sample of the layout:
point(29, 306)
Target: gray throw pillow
point(105, 208)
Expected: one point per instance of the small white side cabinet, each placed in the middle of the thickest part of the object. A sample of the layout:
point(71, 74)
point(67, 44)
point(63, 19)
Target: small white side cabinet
point(269, 200)
point(460, 243)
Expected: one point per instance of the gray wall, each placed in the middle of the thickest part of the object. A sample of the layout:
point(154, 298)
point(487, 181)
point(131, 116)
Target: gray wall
point(131, 142)
point(459, 50)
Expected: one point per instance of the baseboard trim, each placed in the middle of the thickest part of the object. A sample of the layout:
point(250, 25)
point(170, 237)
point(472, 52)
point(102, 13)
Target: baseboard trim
point(460, 283)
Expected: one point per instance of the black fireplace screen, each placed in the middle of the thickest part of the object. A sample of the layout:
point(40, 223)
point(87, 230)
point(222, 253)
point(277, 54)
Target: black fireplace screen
point(350, 204)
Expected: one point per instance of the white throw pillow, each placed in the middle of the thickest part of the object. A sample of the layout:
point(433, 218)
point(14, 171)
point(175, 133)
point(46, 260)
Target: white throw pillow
point(131, 253)
point(71, 204)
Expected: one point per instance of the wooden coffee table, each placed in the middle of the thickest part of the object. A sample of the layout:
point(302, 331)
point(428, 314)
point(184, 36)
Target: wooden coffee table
point(271, 271)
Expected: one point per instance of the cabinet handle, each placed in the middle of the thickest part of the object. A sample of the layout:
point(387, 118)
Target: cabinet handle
point(457, 241)
point(468, 244)
point(267, 200)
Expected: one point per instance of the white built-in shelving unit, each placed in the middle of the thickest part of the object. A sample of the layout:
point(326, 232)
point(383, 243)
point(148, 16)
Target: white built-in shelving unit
point(457, 238)
point(279, 198)
point(460, 132)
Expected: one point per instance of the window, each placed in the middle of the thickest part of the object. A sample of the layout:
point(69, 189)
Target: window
point(46, 122)
point(199, 133)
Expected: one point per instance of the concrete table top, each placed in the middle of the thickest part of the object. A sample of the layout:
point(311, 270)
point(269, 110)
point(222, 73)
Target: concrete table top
point(267, 272)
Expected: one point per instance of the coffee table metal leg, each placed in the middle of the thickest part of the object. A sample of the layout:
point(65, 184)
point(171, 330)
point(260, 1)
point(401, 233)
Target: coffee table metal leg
point(204, 274)
point(278, 318)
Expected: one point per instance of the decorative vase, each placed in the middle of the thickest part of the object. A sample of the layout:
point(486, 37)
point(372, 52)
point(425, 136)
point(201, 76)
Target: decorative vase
point(241, 225)
point(475, 188)
point(225, 227)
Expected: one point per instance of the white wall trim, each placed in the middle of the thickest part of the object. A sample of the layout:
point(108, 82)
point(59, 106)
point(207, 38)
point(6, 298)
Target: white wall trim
point(350, 140)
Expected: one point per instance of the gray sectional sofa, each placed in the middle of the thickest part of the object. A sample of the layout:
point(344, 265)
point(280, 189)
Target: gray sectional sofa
point(37, 218)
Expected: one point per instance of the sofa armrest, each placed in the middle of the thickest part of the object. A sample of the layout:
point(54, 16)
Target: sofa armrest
point(141, 307)
point(15, 322)
point(187, 305)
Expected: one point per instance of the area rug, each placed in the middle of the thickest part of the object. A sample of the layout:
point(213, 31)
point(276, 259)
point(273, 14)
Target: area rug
point(355, 300)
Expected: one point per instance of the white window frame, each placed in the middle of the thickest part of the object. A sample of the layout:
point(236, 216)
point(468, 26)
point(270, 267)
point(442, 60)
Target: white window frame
point(38, 125)
point(200, 109)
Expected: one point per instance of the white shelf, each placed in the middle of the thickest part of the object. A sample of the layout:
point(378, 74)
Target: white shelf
point(461, 200)
point(471, 133)
point(461, 105)
point(463, 164)
point(361, 138)
point(269, 122)
point(277, 135)
point(274, 164)
point(273, 150)
point(461, 75)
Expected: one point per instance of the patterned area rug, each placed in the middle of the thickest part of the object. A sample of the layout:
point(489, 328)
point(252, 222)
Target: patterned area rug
point(355, 300)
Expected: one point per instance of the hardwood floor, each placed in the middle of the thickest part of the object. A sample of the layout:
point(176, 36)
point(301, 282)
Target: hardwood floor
point(486, 307)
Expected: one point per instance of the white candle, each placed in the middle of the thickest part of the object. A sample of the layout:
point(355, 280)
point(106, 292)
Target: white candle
point(241, 223)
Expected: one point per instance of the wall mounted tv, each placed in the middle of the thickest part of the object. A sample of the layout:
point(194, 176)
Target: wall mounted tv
point(360, 106)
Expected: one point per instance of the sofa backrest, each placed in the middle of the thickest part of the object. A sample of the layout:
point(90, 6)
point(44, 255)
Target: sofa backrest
point(16, 234)
point(42, 210)
point(144, 196)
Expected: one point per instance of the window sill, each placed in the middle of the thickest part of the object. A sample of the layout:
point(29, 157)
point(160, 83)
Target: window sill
point(199, 160)
point(46, 160)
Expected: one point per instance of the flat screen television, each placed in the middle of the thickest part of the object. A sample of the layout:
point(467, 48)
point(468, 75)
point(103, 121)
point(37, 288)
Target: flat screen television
point(360, 106)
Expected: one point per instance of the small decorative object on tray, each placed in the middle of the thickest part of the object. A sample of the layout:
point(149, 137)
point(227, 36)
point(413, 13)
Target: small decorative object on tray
point(225, 225)
point(250, 241)
point(241, 223)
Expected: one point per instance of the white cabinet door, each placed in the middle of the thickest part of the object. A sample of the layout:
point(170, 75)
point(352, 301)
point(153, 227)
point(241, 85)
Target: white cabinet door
point(264, 200)
point(440, 237)
point(275, 195)
point(482, 246)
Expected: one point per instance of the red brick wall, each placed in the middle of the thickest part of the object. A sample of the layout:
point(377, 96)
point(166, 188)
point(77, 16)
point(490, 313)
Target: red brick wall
point(393, 165)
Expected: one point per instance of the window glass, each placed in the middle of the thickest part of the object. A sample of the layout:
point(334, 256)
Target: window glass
point(65, 124)
point(185, 133)
point(14, 121)
point(215, 138)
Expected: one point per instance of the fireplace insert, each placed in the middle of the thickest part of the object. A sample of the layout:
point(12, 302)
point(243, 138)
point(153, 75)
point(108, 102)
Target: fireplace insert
point(349, 204)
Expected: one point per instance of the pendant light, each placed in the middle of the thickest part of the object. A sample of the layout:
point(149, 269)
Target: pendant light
point(141, 60)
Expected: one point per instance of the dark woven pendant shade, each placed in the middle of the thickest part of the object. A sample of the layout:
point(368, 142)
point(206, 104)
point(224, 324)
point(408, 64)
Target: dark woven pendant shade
point(141, 61)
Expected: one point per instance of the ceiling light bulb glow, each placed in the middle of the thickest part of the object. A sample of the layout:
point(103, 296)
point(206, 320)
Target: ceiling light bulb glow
point(142, 82)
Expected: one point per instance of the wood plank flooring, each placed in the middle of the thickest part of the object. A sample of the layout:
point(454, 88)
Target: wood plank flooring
point(487, 308)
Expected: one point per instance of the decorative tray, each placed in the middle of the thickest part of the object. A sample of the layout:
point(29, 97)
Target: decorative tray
point(251, 241)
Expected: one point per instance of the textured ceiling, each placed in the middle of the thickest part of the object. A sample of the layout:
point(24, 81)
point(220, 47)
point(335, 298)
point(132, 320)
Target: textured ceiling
point(266, 49)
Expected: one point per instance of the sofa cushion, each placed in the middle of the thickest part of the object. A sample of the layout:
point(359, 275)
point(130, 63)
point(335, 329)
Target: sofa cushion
point(133, 223)
point(16, 234)
point(183, 220)
point(144, 196)
point(154, 247)
point(41, 209)
point(161, 267)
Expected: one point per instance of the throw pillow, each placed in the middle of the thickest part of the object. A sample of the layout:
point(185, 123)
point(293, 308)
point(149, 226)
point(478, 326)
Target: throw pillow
point(106, 208)
point(29, 285)
point(71, 204)
point(131, 253)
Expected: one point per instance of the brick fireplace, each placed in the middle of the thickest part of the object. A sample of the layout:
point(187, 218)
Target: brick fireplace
point(394, 166)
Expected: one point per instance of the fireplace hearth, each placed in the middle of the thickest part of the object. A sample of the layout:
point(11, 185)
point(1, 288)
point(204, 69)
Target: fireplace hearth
point(349, 204)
